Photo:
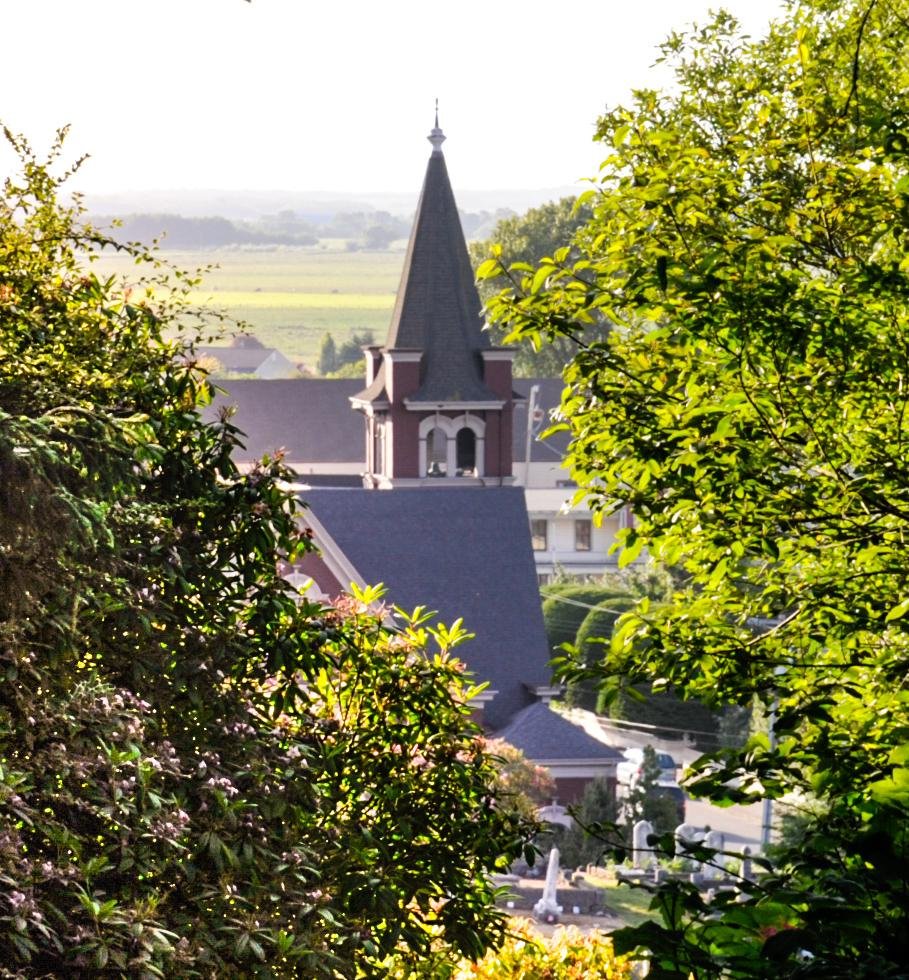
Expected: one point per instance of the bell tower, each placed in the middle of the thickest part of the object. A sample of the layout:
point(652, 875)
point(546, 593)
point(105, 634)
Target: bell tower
point(438, 400)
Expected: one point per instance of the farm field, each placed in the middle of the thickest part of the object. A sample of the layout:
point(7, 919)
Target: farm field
point(291, 297)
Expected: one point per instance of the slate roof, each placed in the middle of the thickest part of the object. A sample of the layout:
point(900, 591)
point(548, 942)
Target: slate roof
point(541, 733)
point(437, 310)
point(310, 418)
point(313, 420)
point(464, 552)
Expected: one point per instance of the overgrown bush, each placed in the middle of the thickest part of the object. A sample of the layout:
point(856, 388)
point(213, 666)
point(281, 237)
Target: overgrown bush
point(521, 784)
point(201, 774)
point(568, 954)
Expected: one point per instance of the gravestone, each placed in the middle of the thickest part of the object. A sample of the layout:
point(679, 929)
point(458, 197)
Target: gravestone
point(548, 909)
point(717, 866)
point(685, 833)
point(747, 870)
point(641, 851)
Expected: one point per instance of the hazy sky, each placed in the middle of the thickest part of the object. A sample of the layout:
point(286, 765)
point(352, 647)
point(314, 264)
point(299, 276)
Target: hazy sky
point(332, 95)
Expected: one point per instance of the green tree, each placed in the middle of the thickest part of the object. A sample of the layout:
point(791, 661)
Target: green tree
point(644, 800)
point(591, 640)
point(583, 842)
point(201, 772)
point(585, 616)
point(521, 784)
point(748, 246)
point(328, 355)
point(378, 237)
point(567, 604)
point(526, 239)
point(351, 351)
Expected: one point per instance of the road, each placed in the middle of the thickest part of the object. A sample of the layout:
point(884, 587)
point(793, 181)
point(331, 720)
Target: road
point(740, 825)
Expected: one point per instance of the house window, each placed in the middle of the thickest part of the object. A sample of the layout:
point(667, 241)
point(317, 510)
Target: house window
point(582, 535)
point(543, 578)
point(539, 534)
point(466, 452)
point(436, 453)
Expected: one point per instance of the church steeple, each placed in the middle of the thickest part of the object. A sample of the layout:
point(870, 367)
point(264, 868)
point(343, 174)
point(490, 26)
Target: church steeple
point(437, 359)
point(436, 136)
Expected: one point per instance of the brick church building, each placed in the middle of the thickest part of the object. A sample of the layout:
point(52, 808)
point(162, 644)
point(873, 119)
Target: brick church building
point(436, 518)
point(431, 509)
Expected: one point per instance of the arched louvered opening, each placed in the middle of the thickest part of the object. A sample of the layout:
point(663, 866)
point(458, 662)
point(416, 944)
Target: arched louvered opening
point(436, 452)
point(466, 452)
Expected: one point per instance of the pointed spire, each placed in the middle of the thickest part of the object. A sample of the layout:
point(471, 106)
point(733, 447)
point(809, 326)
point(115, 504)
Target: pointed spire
point(436, 137)
point(437, 313)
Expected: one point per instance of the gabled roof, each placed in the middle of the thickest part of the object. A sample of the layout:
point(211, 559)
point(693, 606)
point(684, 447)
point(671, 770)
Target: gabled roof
point(541, 733)
point(437, 310)
point(463, 552)
point(312, 419)
point(240, 358)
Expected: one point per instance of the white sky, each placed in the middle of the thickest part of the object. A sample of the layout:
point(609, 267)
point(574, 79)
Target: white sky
point(330, 95)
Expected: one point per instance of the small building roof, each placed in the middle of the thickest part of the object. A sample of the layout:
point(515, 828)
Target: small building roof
point(541, 733)
point(463, 552)
point(239, 358)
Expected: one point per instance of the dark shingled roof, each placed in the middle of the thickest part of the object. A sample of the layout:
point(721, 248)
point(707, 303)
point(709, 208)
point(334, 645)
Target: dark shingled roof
point(437, 310)
point(312, 419)
point(464, 552)
point(541, 733)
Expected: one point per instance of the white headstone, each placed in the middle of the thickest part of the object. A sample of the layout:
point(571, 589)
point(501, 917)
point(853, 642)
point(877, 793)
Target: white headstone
point(641, 851)
point(688, 833)
point(717, 866)
point(548, 909)
point(747, 872)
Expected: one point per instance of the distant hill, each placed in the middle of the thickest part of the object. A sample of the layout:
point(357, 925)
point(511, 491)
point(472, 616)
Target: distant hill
point(179, 232)
point(315, 207)
point(366, 228)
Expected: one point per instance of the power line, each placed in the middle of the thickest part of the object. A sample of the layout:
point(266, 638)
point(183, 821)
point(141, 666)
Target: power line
point(577, 602)
point(616, 723)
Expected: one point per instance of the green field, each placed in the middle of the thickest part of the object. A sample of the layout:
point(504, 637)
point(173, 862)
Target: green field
point(291, 297)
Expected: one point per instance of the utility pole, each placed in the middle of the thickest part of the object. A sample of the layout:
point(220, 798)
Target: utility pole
point(531, 410)
point(767, 817)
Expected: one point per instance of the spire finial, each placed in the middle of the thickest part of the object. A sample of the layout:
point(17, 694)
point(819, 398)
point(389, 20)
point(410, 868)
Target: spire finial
point(436, 137)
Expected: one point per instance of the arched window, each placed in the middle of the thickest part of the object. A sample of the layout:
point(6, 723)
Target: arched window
point(466, 452)
point(436, 452)
point(452, 446)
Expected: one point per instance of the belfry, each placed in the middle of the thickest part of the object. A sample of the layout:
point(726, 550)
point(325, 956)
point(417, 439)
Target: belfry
point(438, 400)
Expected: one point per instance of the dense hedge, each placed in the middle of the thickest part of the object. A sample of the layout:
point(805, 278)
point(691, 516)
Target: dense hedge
point(566, 605)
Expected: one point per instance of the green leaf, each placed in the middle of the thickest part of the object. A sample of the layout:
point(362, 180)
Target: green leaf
point(898, 611)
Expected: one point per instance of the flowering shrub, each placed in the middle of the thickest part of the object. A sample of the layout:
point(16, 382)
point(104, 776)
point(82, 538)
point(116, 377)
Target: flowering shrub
point(568, 955)
point(200, 774)
point(521, 783)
